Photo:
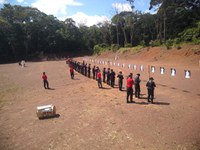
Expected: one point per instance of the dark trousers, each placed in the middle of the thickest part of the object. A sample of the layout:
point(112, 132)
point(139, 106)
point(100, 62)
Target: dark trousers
point(112, 82)
point(129, 94)
point(104, 78)
point(150, 95)
point(108, 81)
point(94, 75)
point(72, 75)
point(88, 74)
point(99, 83)
point(46, 84)
point(137, 90)
point(120, 85)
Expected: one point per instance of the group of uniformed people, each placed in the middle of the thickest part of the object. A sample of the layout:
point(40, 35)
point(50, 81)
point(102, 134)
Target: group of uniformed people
point(109, 78)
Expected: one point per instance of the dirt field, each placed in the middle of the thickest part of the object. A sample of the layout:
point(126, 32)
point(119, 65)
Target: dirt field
point(98, 119)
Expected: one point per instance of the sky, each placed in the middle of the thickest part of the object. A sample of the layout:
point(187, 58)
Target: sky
point(88, 12)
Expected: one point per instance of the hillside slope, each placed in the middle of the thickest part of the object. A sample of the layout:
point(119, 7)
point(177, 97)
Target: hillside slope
point(188, 55)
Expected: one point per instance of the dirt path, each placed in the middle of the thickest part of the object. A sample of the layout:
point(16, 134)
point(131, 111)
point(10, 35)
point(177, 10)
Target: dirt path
point(92, 118)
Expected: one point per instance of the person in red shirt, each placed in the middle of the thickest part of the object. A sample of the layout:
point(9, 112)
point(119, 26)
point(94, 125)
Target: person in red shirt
point(99, 79)
point(71, 70)
point(129, 84)
point(46, 83)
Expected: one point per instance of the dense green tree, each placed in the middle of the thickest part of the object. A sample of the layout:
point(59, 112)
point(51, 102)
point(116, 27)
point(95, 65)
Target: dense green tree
point(26, 32)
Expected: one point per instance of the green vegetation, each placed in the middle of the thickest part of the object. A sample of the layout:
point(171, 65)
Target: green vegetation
point(26, 33)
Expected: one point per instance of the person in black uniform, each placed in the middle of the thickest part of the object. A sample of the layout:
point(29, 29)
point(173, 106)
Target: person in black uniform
point(104, 75)
point(108, 76)
point(120, 80)
point(85, 71)
point(150, 87)
point(137, 85)
point(89, 68)
point(96, 72)
point(93, 71)
point(112, 78)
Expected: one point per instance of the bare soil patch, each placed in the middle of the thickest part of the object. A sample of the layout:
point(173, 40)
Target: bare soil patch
point(93, 118)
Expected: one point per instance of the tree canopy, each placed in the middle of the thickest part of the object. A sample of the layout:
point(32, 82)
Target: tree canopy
point(26, 32)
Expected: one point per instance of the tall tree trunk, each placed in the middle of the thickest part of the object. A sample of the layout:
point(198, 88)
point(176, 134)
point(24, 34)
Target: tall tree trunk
point(125, 38)
point(131, 34)
point(117, 29)
point(164, 24)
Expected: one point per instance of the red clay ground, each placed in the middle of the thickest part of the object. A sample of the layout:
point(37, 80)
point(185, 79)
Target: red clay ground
point(92, 118)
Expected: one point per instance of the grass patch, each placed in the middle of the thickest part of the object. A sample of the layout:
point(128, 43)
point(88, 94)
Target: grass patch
point(133, 50)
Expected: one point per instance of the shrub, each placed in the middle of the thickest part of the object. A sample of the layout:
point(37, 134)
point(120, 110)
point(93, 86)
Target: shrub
point(128, 45)
point(155, 43)
point(169, 43)
point(142, 43)
point(177, 41)
point(115, 47)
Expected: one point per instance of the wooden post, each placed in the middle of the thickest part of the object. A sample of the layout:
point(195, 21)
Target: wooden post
point(149, 70)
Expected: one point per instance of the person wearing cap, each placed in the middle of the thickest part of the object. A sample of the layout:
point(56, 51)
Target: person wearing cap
point(129, 84)
point(99, 79)
point(120, 80)
point(46, 83)
point(150, 88)
point(137, 85)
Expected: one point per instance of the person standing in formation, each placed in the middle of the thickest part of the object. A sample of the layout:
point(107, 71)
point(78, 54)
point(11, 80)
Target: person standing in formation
point(137, 86)
point(93, 71)
point(85, 70)
point(96, 72)
point(89, 68)
point(150, 88)
point(99, 79)
point(71, 70)
point(108, 76)
point(46, 83)
point(112, 78)
point(104, 75)
point(129, 84)
point(120, 80)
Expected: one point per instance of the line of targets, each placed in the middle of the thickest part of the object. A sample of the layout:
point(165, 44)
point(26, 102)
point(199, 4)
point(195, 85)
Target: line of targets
point(141, 68)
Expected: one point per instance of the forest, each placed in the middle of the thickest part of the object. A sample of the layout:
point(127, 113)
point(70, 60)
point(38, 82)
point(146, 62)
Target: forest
point(27, 33)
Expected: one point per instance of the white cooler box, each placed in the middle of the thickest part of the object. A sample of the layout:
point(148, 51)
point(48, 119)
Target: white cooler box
point(46, 111)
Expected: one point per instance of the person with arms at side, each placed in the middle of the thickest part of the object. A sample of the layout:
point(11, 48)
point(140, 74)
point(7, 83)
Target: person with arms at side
point(108, 76)
point(120, 80)
point(137, 86)
point(46, 83)
point(99, 79)
point(89, 68)
point(104, 75)
point(112, 78)
point(129, 84)
point(93, 72)
point(71, 70)
point(150, 88)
